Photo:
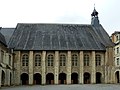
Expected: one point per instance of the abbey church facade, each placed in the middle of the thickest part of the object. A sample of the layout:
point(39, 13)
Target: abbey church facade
point(56, 54)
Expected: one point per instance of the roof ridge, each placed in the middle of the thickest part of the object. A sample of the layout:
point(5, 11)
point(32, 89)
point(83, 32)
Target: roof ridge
point(53, 24)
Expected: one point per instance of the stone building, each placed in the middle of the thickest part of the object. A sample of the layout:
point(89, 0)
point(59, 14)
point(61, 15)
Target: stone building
point(116, 39)
point(61, 53)
point(6, 63)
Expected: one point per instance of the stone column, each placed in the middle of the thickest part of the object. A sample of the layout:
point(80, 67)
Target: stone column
point(0, 75)
point(81, 68)
point(106, 71)
point(68, 67)
point(0, 67)
point(17, 68)
point(119, 76)
point(56, 60)
point(93, 75)
point(43, 67)
point(7, 80)
point(7, 75)
point(0, 55)
point(30, 67)
point(114, 78)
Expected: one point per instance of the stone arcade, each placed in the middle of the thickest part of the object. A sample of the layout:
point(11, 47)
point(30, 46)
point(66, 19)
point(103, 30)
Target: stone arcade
point(59, 54)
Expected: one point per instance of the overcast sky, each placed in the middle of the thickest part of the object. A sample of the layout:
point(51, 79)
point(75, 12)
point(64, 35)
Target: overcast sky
point(60, 11)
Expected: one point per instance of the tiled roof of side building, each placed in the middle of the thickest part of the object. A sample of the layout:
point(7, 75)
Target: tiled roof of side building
point(7, 32)
point(2, 39)
point(59, 37)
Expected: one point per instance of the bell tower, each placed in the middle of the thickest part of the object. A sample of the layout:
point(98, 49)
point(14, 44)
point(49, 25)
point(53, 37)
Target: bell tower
point(94, 19)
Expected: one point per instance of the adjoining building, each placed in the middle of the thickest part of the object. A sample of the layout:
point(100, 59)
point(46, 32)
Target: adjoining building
point(6, 63)
point(116, 39)
point(61, 53)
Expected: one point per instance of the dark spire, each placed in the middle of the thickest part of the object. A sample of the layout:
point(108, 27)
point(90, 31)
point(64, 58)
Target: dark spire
point(95, 20)
point(94, 13)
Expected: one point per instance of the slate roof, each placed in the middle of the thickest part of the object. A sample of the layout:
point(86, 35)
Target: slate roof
point(2, 39)
point(7, 32)
point(28, 36)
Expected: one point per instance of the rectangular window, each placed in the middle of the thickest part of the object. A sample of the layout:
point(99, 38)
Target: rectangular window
point(60, 63)
point(117, 61)
point(63, 62)
point(86, 60)
point(117, 38)
point(2, 55)
point(26, 63)
point(117, 49)
point(9, 60)
point(48, 62)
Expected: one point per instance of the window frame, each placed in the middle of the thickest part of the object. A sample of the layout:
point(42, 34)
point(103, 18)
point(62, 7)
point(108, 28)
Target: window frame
point(25, 60)
point(2, 56)
point(62, 59)
point(98, 60)
point(86, 59)
point(117, 50)
point(37, 60)
point(50, 60)
point(117, 61)
point(10, 60)
point(74, 60)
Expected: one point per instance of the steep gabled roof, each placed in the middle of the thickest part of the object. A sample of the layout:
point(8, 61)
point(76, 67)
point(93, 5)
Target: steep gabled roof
point(7, 32)
point(59, 37)
point(2, 39)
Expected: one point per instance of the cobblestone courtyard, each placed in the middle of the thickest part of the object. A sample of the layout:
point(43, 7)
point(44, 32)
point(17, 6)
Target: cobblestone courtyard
point(66, 87)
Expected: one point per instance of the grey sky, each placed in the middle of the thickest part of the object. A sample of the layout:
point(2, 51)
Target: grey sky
point(60, 11)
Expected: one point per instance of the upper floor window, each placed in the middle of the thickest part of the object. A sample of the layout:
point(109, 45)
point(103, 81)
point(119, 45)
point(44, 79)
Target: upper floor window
point(2, 55)
point(117, 38)
point(117, 49)
point(50, 60)
point(117, 61)
point(62, 60)
point(37, 60)
point(98, 60)
point(25, 60)
point(9, 59)
point(74, 60)
point(86, 60)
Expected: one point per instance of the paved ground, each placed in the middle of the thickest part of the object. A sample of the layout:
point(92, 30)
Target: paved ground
point(66, 87)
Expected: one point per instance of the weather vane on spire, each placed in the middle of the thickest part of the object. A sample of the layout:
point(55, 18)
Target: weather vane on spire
point(94, 5)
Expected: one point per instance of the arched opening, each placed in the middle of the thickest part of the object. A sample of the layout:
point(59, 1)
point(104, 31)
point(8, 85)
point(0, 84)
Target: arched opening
point(62, 78)
point(50, 78)
point(3, 78)
point(74, 78)
point(24, 79)
point(86, 78)
point(117, 77)
point(37, 79)
point(98, 77)
point(10, 78)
